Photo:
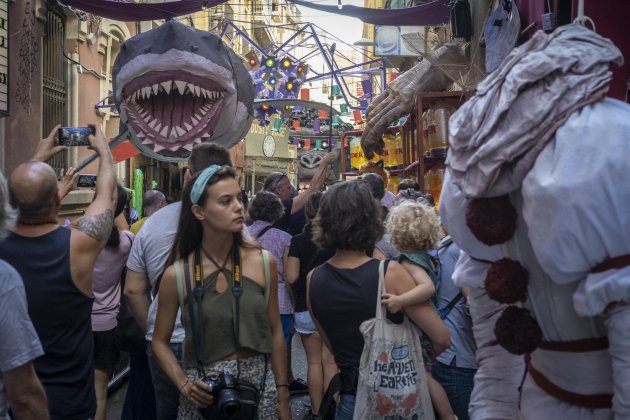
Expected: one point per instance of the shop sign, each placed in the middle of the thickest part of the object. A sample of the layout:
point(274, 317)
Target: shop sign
point(265, 142)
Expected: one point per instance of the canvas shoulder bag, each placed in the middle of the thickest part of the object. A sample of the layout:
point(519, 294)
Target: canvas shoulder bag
point(392, 381)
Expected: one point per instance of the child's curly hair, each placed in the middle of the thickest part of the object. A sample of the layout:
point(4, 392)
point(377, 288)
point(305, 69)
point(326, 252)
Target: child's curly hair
point(413, 227)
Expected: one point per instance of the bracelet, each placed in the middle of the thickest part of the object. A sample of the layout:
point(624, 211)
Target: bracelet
point(282, 385)
point(184, 385)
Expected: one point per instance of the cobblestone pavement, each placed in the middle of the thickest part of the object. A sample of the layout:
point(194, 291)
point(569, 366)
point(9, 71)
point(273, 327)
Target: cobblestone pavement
point(300, 403)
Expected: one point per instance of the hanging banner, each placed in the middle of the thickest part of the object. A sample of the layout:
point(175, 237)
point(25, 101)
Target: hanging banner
point(436, 12)
point(131, 12)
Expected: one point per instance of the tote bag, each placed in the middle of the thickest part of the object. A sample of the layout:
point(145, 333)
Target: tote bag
point(392, 381)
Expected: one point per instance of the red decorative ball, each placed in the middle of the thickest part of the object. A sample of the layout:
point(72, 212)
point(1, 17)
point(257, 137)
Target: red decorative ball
point(517, 331)
point(491, 220)
point(506, 281)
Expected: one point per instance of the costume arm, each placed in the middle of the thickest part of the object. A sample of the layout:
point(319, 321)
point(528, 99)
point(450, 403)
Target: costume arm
point(617, 321)
point(495, 394)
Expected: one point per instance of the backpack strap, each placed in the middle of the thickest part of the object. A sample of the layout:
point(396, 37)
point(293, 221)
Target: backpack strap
point(265, 257)
point(447, 309)
point(180, 283)
point(263, 231)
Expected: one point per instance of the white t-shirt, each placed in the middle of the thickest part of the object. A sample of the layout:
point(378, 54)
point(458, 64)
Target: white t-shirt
point(149, 253)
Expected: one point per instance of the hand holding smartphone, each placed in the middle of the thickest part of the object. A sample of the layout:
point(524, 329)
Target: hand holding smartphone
point(75, 136)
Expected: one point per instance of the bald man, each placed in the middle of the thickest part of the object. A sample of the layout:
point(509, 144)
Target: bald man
point(152, 201)
point(56, 265)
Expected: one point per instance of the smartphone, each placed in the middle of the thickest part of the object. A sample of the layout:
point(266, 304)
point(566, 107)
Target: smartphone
point(86, 181)
point(75, 136)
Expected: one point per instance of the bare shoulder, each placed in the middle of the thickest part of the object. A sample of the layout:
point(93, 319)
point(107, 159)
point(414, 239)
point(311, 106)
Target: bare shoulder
point(97, 226)
point(253, 256)
point(398, 278)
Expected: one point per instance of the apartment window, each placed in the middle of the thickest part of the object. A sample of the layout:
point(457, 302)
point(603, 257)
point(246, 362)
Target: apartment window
point(54, 78)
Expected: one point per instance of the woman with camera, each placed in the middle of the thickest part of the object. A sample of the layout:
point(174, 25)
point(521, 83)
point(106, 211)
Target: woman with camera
point(229, 300)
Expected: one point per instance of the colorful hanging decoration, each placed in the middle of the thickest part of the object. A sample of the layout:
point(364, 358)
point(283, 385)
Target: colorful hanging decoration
point(138, 187)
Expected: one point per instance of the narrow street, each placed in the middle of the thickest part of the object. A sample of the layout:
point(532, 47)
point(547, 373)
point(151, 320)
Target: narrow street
point(299, 402)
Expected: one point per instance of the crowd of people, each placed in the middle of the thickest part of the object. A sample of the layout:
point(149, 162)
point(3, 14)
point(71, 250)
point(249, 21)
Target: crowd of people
point(216, 289)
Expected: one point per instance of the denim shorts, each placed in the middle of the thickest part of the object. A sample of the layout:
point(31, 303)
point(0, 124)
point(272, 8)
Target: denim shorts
point(304, 323)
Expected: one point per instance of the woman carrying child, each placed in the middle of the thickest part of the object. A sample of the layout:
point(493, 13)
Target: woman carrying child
point(415, 229)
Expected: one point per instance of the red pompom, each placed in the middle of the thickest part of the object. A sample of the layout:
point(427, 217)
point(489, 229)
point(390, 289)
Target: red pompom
point(491, 220)
point(506, 281)
point(517, 331)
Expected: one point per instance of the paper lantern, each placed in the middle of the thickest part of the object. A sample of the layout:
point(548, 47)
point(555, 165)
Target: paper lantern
point(296, 125)
point(344, 109)
point(316, 126)
point(305, 94)
point(336, 120)
point(322, 114)
point(367, 88)
point(357, 117)
point(277, 123)
point(335, 93)
point(307, 143)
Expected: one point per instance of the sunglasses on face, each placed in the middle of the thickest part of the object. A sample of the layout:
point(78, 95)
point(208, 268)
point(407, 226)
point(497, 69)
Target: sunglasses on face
point(275, 184)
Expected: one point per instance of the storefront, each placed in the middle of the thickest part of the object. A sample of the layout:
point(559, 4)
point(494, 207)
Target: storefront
point(268, 151)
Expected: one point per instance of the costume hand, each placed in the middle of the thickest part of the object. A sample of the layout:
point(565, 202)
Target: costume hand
point(393, 303)
point(48, 147)
point(198, 393)
point(68, 181)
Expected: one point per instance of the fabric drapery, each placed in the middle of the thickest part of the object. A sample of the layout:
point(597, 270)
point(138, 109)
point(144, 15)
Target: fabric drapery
point(433, 13)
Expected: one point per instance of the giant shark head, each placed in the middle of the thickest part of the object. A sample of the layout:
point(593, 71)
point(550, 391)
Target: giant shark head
point(176, 86)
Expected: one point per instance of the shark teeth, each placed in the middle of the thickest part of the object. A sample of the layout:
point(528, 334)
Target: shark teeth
point(146, 92)
point(181, 86)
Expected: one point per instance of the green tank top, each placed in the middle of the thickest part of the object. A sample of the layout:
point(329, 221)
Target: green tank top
point(219, 340)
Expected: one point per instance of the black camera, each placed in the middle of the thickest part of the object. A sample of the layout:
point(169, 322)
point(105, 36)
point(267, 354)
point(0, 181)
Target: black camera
point(225, 393)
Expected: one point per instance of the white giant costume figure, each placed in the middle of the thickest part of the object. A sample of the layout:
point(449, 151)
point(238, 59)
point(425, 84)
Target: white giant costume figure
point(537, 195)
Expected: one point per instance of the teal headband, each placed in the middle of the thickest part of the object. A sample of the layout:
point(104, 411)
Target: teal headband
point(200, 183)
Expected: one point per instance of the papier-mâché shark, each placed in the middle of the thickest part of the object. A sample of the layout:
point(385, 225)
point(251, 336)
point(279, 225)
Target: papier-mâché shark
point(176, 86)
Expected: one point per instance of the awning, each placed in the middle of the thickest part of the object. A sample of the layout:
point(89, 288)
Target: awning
point(124, 151)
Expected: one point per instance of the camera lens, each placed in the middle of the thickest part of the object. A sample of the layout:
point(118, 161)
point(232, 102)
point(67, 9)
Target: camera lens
point(231, 408)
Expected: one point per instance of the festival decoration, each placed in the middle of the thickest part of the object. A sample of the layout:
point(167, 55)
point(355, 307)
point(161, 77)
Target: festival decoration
point(399, 97)
point(176, 86)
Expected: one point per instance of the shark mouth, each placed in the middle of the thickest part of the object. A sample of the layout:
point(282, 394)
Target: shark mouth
point(172, 111)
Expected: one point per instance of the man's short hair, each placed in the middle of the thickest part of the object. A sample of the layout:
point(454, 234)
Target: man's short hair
point(272, 180)
point(375, 181)
point(206, 154)
point(152, 198)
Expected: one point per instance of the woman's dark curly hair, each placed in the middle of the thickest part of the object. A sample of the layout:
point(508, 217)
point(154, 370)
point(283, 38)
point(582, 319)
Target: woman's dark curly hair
point(265, 206)
point(348, 218)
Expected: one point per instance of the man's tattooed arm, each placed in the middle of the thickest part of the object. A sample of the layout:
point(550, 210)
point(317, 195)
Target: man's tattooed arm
point(97, 226)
